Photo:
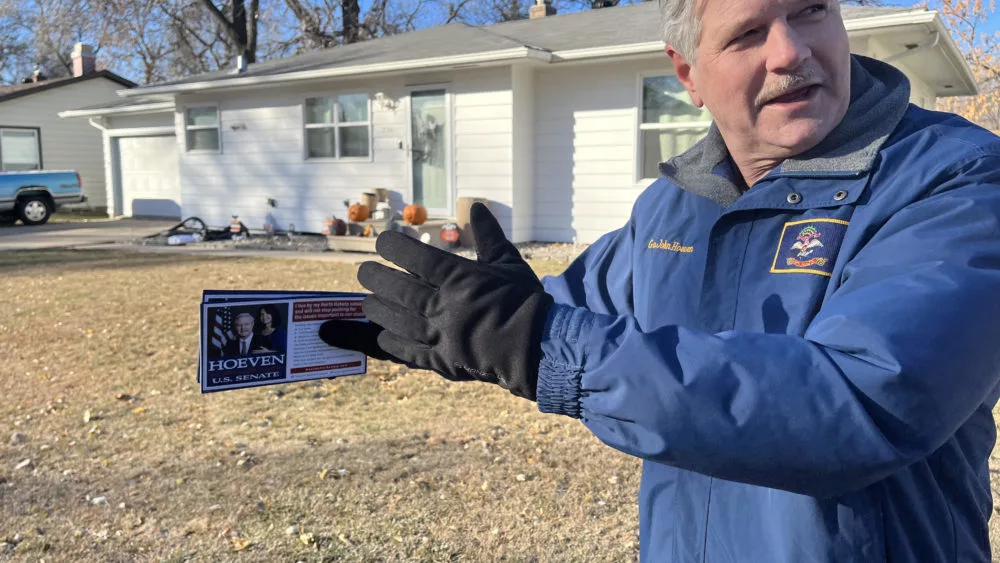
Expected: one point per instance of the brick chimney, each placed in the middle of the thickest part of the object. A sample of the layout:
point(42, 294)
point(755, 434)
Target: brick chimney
point(83, 59)
point(541, 9)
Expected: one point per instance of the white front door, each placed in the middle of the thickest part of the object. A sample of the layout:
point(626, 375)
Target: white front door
point(430, 149)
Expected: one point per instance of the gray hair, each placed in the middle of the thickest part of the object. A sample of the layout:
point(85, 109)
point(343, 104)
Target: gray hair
point(681, 26)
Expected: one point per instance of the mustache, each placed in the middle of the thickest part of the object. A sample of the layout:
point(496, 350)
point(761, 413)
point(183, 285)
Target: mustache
point(787, 83)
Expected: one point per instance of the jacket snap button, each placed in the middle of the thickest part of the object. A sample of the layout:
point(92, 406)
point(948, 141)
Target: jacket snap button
point(794, 198)
point(840, 196)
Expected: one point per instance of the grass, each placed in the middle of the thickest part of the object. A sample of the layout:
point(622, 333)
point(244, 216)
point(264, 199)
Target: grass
point(77, 215)
point(122, 459)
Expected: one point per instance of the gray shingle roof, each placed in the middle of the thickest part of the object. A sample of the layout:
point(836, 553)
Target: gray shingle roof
point(622, 25)
point(443, 41)
point(14, 91)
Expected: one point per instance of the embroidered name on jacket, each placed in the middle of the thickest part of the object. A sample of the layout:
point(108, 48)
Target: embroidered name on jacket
point(674, 246)
point(809, 247)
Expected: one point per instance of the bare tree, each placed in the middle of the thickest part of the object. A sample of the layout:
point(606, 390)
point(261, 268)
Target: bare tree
point(13, 45)
point(141, 45)
point(350, 14)
point(239, 25)
point(43, 33)
point(317, 23)
point(328, 23)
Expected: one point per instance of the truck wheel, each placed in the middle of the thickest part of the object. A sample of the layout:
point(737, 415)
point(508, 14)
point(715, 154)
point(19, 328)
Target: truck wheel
point(34, 210)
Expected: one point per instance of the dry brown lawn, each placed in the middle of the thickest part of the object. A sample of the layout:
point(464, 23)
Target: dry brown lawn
point(108, 452)
point(118, 457)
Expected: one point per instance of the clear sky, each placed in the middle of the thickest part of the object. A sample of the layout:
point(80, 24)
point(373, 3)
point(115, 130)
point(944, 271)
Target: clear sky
point(994, 22)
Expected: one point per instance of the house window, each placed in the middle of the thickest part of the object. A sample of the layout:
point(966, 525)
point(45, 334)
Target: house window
point(201, 125)
point(669, 124)
point(20, 149)
point(338, 127)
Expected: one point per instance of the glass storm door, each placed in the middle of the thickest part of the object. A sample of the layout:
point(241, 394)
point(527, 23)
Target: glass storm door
point(430, 149)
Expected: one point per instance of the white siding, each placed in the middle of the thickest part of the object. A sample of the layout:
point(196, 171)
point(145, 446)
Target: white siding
point(484, 141)
point(263, 156)
point(522, 192)
point(67, 144)
point(266, 159)
point(585, 148)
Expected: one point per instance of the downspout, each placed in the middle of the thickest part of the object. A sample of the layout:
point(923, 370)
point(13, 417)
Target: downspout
point(110, 179)
point(97, 124)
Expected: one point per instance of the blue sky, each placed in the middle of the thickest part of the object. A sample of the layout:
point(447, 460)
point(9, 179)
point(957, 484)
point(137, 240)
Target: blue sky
point(994, 22)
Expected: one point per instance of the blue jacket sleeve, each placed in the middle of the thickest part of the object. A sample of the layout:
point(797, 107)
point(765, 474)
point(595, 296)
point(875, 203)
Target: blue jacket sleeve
point(600, 279)
point(896, 360)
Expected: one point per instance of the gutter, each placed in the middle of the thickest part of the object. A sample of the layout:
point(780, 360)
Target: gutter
point(891, 20)
point(514, 54)
point(138, 108)
point(651, 47)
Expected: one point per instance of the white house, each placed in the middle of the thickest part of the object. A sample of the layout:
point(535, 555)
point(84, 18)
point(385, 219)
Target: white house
point(33, 137)
point(559, 120)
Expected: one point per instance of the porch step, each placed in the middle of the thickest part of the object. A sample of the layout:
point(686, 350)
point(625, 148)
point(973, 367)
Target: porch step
point(354, 242)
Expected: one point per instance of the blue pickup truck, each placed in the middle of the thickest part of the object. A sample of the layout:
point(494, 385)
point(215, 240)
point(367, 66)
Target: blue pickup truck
point(32, 196)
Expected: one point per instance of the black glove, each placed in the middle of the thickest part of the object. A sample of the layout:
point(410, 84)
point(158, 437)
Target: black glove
point(355, 335)
point(461, 318)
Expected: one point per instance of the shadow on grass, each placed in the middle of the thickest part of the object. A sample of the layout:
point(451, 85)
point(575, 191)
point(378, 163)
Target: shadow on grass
point(27, 262)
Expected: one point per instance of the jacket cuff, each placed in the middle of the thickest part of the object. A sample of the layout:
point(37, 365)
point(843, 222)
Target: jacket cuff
point(561, 369)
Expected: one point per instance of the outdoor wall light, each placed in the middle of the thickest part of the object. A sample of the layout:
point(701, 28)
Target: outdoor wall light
point(386, 102)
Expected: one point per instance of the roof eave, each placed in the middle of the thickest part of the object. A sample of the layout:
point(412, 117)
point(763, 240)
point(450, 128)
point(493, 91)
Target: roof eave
point(923, 17)
point(500, 56)
point(138, 108)
point(957, 59)
point(890, 20)
point(646, 48)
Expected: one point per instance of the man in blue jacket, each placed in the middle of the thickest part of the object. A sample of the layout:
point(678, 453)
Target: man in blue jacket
point(798, 330)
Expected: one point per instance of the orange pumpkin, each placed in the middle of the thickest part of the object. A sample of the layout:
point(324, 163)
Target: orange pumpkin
point(357, 212)
point(415, 214)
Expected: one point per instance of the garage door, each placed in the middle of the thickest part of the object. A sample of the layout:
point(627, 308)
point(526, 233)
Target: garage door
point(149, 176)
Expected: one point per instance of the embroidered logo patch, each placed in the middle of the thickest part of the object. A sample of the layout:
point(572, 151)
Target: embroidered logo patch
point(809, 247)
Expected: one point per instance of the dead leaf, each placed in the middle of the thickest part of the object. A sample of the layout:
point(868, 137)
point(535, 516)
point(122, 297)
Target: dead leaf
point(239, 544)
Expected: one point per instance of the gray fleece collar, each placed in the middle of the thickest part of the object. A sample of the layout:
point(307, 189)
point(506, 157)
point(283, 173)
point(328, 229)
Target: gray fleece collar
point(880, 96)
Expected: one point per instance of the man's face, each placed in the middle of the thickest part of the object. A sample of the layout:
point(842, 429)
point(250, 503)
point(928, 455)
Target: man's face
point(774, 73)
point(244, 326)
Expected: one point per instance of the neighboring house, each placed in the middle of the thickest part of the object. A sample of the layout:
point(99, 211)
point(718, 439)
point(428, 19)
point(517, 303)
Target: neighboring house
point(559, 120)
point(32, 136)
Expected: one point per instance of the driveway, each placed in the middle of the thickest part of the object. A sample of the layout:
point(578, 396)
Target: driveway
point(71, 235)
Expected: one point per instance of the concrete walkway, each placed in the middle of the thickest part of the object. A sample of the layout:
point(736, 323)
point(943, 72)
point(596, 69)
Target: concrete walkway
point(77, 235)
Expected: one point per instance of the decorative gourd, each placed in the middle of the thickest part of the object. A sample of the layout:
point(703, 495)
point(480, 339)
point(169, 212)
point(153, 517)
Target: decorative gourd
point(415, 214)
point(357, 212)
